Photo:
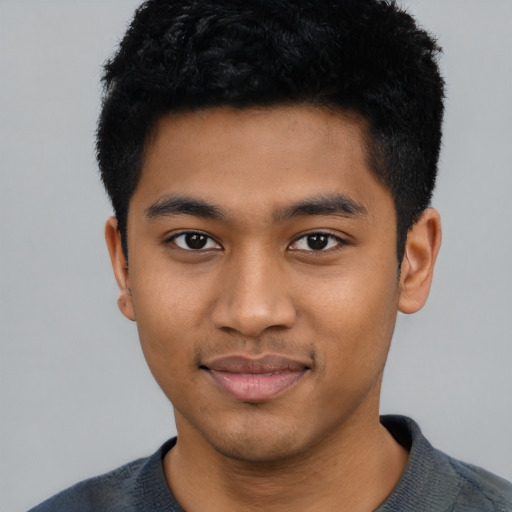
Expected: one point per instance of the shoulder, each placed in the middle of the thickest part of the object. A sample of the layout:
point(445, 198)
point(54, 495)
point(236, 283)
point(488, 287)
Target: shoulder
point(136, 486)
point(99, 493)
point(433, 480)
point(479, 488)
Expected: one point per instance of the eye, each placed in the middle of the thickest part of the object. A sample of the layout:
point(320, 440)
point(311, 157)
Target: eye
point(316, 242)
point(194, 241)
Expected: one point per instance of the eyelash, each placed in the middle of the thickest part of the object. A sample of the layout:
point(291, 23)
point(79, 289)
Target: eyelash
point(338, 242)
point(208, 240)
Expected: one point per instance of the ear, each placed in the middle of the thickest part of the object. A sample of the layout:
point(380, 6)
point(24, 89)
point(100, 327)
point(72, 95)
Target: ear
point(421, 249)
point(120, 267)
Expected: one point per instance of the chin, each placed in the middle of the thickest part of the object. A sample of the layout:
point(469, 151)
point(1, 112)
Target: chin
point(253, 452)
point(262, 445)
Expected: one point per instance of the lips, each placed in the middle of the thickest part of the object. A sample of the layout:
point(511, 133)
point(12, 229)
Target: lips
point(255, 379)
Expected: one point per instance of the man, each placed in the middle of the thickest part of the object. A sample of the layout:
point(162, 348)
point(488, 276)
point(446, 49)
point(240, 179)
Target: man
point(271, 166)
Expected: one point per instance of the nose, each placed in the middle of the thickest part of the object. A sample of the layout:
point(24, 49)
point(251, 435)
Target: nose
point(254, 297)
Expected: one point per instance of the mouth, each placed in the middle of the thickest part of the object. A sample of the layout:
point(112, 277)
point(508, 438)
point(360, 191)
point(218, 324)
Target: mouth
point(251, 379)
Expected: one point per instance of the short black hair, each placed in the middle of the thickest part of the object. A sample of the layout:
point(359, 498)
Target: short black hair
point(364, 56)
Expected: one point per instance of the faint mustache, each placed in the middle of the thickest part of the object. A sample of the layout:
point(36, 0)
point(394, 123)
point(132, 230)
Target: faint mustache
point(255, 349)
point(268, 363)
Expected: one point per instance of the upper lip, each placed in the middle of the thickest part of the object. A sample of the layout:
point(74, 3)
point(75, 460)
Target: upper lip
point(268, 363)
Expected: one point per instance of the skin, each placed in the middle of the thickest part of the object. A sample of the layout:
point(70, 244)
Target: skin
point(257, 288)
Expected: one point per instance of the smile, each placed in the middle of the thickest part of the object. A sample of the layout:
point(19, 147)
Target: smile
point(255, 380)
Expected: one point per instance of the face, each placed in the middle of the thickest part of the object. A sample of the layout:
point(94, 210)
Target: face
point(262, 276)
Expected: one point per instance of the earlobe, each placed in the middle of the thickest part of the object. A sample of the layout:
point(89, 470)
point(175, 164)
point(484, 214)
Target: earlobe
point(421, 249)
point(120, 268)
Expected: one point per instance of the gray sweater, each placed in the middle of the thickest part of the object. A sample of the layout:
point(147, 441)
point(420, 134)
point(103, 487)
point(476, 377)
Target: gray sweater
point(431, 482)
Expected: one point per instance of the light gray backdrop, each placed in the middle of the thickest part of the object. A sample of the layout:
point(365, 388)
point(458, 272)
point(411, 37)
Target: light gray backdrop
point(76, 396)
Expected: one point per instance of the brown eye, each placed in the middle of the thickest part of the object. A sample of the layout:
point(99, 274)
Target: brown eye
point(193, 241)
point(316, 242)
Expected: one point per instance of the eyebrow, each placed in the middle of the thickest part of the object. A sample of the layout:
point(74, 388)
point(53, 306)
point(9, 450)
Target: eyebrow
point(335, 204)
point(168, 206)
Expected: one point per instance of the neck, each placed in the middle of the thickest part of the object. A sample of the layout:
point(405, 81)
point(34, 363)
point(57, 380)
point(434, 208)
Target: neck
point(355, 470)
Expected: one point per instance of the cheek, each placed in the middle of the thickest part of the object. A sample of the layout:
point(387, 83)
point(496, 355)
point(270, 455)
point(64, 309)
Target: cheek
point(168, 297)
point(352, 315)
point(166, 315)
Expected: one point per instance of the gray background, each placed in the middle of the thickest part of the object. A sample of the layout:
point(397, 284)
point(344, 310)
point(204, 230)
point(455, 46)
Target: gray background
point(76, 396)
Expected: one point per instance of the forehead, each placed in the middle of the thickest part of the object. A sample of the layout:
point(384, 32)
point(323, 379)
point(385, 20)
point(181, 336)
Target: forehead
point(258, 157)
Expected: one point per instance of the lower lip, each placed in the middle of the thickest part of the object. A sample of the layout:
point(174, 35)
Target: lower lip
point(256, 387)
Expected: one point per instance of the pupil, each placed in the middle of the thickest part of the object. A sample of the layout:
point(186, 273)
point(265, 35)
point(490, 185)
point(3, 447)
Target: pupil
point(195, 241)
point(317, 242)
